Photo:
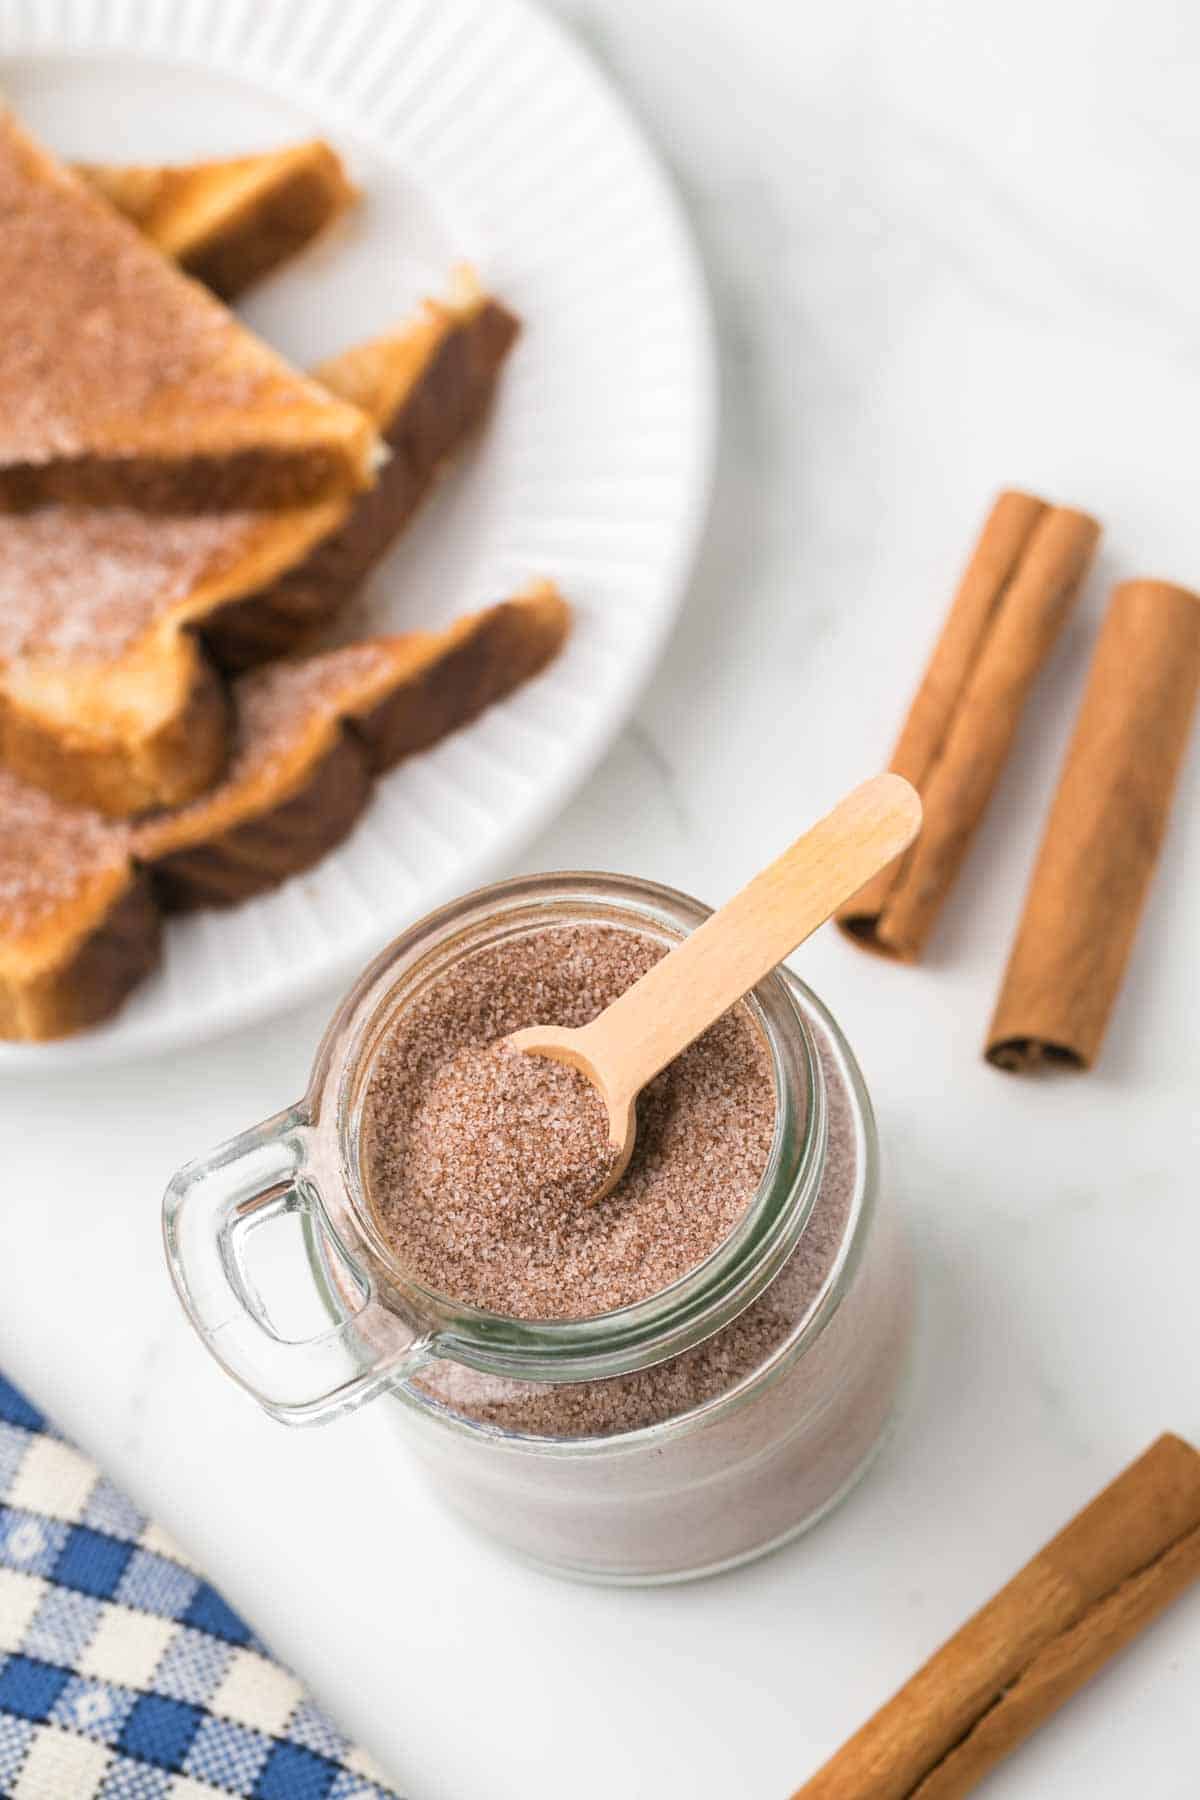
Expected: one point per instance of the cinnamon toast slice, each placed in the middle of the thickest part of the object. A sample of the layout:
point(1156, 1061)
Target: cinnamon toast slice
point(111, 620)
point(231, 221)
point(124, 381)
point(81, 895)
point(313, 734)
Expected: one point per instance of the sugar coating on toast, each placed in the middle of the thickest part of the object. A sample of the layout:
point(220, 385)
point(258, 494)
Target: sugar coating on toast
point(50, 855)
point(276, 705)
point(85, 582)
point(108, 352)
point(280, 712)
point(79, 926)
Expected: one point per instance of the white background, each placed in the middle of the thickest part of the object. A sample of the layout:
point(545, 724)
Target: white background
point(951, 248)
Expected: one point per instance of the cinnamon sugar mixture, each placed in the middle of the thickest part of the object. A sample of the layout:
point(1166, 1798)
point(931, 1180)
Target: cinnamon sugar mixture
point(480, 1171)
point(542, 1148)
point(665, 1390)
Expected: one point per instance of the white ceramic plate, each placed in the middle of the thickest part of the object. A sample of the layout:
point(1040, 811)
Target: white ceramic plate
point(477, 131)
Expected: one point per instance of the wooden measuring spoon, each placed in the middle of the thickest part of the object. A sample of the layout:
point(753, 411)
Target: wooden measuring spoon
point(632, 1040)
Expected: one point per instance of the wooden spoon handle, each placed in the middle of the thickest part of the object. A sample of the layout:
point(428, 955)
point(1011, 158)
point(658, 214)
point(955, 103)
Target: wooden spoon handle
point(676, 1000)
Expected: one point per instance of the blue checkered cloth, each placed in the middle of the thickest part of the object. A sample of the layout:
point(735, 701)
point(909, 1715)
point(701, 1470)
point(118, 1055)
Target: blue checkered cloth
point(123, 1675)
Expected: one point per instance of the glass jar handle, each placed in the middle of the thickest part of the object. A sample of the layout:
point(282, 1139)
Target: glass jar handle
point(209, 1211)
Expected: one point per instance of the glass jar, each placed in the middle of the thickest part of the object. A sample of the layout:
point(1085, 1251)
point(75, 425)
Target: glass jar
point(670, 1438)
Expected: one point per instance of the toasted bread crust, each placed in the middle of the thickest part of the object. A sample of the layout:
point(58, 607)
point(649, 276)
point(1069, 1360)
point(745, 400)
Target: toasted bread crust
point(223, 482)
point(463, 672)
point(230, 222)
point(274, 225)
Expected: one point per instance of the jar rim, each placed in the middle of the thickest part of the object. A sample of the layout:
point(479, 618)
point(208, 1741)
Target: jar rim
point(701, 1301)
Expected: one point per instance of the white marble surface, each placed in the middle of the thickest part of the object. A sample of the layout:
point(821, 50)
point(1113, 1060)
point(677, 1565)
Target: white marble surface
point(951, 247)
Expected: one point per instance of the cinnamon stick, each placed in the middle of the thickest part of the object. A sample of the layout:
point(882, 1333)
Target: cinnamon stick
point(1115, 1567)
point(1018, 589)
point(1104, 832)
